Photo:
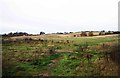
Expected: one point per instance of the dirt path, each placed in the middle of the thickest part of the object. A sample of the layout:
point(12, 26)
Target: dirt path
point(63, 50)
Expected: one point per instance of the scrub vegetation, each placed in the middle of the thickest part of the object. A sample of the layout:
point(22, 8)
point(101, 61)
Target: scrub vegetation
point(61, 56)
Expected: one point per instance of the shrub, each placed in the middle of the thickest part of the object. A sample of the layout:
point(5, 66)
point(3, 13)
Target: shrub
point(58, 47)
point(115, 56)
point(115, 53)
point(81, 47)
point(90, 33)
point(83, 34)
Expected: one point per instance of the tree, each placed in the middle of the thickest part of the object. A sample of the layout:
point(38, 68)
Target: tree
point(10, 34)
point(103, 31)
point(65, 32)
point(41, 33)
point(70, 32)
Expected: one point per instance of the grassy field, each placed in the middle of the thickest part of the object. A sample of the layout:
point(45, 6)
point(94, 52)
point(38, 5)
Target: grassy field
point(61, 56)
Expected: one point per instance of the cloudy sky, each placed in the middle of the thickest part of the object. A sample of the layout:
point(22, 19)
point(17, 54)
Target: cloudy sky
point(33, 16)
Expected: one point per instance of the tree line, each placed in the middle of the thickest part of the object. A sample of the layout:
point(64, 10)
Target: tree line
point(103, 32)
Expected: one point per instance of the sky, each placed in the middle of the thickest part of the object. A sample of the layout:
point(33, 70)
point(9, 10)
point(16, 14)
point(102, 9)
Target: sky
point(34, 16)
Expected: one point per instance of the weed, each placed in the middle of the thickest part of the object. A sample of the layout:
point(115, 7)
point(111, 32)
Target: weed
point(52, 50)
